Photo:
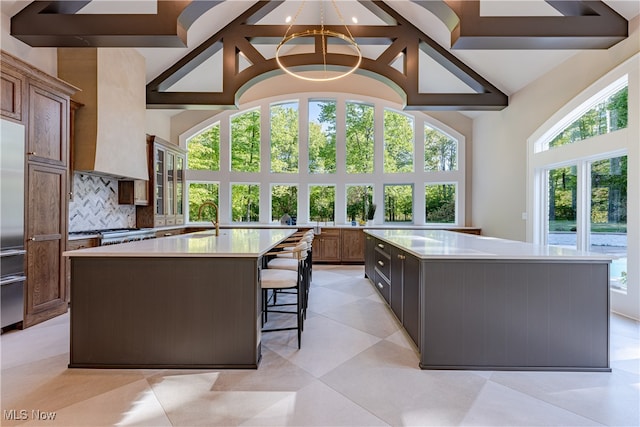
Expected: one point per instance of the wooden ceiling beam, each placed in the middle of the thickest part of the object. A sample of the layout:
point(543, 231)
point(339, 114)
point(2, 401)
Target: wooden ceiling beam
point(588, 24)
point(56, 24)
point(401, 37)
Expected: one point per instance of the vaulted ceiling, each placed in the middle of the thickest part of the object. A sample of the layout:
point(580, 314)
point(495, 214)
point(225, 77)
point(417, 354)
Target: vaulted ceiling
point(437, 54)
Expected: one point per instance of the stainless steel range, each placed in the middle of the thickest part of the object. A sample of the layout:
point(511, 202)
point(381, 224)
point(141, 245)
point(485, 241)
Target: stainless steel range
point(118, 235)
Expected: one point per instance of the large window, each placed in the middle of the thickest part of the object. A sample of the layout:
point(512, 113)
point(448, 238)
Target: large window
point(245, 142)
point(198, 194)
point(329, 159)
point(440, 203)
point(204, 149)
point(322, 203)
point(398, 203)
point(245, 202)
point(284, 203)
point(322, 136)
point(440, 150)
point(579, 166)
point(398, 142)
point(360, 137)
point(284, 138)
point(359, 198)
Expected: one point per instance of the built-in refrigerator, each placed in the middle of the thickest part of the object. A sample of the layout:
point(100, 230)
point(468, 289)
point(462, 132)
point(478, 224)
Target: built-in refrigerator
point(12, 252)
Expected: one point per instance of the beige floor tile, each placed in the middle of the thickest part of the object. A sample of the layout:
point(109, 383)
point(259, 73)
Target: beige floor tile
point(367, 316)
point(315, 405)
point(325, 345)
point(497, 405)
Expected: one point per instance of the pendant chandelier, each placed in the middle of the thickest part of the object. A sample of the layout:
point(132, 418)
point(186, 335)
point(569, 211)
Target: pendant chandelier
point(325, 36)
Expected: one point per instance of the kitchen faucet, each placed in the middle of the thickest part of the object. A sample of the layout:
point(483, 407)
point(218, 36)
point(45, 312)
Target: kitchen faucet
point(216, 221)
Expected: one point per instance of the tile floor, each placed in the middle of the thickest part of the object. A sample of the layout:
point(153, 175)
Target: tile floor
point(356, 368)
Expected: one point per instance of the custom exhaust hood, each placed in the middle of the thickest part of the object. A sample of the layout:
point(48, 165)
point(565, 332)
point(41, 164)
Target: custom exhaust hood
point(110, 136)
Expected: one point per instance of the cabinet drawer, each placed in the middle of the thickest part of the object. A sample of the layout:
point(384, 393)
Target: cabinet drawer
point(382, 285)
point(382, 262)
point(383, 247)
point(82, 243)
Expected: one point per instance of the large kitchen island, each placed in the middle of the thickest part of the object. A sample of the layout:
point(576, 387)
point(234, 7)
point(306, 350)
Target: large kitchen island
point(186, 301)
point(473, 302)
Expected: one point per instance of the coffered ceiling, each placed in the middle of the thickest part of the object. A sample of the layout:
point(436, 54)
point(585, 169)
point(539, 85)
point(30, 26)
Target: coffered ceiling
point(504, 44)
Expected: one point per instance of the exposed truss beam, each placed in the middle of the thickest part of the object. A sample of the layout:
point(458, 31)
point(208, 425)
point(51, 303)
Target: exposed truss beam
point(584, 25)
point(401, 38)
point(56, 24)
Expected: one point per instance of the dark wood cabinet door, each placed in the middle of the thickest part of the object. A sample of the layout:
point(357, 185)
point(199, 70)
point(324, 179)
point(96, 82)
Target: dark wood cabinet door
point(411, 297)
point(46, 236)
point(369, 250)
point(48, 130)
point(11, 86)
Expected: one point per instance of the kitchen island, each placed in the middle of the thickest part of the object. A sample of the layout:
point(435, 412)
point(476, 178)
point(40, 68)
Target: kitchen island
point(185, 301)
point(474, 302)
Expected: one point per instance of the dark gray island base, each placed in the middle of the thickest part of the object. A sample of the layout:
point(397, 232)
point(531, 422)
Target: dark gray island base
point(165, 313)
point(187, 301)
point(516, 312)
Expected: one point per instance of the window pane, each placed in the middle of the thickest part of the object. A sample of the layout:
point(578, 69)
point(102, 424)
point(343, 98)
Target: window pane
point(360, 138)
point(245, 142)
point(359, 198)
point(284, 201)
point(440, 203)
point(440, 151)
point(322, 136)
point(198, 194)
point(322, 202)
point(398, 203)
point(609, 215)
point(204, 149)
point(398, 142)
point(608, 116)
point(562, 207)
point(245, 202)
point(284, 138)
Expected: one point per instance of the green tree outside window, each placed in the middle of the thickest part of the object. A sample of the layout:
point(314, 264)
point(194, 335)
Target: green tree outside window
point(440, 203)
point(284, 138)
point(440, 151)
point(398, 142)
point(245, 202)
point(322, 136)
point(284, 200)
point(245, 142)
point(398, 203)
point(359, 197)
point(200, 192)
point(322, 202)
point(204, 149)
point(360, 137)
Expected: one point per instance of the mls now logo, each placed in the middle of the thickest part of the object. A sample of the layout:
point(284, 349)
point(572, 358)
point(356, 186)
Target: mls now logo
point(23, 414)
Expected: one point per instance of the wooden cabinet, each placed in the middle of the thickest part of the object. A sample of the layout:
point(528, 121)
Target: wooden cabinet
point(396, 275)
point(134, 192)
point(352, 245)
point(41, 102)
point(326, 245)
point(169, 232)
point(165, 205)
point(11, 94)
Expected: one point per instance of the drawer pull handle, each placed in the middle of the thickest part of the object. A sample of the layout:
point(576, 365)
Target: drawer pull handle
point(167, 234)
point(380, 245)
point(31, 153)
point(380, 263)
point(380, 285)
point(401, 257)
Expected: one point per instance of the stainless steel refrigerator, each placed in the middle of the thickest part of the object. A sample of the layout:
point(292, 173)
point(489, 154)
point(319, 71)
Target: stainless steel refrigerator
point(12, 252)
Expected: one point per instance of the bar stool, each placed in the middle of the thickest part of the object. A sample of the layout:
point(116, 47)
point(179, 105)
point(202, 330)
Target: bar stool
point(276, 279)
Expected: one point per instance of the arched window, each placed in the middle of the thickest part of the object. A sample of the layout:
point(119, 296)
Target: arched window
point(326, 158)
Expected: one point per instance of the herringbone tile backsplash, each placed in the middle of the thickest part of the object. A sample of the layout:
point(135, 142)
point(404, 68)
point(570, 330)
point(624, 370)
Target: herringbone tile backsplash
point(95, 205)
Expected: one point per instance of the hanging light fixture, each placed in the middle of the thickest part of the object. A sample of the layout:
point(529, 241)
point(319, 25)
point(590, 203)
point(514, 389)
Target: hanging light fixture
point(324, 34)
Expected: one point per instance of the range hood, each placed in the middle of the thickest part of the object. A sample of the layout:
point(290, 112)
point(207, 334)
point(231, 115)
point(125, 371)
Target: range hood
point(110, 136)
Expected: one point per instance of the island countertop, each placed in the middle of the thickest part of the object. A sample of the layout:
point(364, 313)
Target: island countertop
point(427, 244)
point(237, 242)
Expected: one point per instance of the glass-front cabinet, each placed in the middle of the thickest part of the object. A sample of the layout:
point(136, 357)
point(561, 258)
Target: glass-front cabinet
point(167, 185)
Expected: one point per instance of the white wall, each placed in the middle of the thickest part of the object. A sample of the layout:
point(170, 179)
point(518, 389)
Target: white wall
point(499, 154)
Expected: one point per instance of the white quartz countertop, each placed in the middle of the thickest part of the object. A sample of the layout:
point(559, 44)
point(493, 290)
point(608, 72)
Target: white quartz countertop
point(440, 244)
point(237, 242)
